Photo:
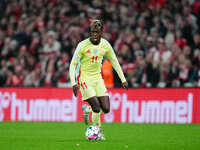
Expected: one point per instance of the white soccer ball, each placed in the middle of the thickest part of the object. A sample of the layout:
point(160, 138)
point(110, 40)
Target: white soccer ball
point(93, 133)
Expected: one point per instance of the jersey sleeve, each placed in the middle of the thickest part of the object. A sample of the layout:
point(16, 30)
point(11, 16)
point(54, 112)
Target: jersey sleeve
point(110, 54)
point(75, 60)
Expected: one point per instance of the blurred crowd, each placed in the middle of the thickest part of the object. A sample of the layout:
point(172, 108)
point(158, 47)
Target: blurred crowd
point(157, 42)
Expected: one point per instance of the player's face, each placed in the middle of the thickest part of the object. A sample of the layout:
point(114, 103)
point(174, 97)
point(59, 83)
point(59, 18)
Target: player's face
point(95, 36)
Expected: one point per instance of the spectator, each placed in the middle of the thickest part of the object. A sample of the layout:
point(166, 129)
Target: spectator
point(33, 79)
point(52, 46)
point(157, 42)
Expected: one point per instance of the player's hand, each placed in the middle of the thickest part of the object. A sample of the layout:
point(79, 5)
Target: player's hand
point(125, 85)
point(75, 89)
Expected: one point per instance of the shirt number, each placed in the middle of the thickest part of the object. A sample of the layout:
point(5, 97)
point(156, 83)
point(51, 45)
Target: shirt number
point(94, 59)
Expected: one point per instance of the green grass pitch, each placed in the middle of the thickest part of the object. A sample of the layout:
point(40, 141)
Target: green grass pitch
point(119, 136)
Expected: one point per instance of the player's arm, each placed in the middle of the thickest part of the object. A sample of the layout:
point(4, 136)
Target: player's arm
point(72, 69)
point(110, 54)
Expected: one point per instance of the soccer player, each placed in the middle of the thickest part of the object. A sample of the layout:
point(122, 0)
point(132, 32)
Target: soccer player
point(85, 72)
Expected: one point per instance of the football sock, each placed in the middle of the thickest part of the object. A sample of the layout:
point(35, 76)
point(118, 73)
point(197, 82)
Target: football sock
point(96, 120)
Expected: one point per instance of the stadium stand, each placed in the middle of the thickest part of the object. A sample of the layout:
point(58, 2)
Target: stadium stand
point(157, 42)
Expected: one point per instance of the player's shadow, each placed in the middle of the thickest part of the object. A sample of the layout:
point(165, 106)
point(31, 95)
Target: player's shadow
point(79, 141)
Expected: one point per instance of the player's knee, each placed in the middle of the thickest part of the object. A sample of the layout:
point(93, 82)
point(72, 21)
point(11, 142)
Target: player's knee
point(96, 109)
point(106, 110)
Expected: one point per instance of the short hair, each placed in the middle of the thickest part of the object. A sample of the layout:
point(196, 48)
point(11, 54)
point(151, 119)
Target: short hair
point(96, 24)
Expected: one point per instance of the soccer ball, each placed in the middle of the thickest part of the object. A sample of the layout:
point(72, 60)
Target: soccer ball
point(93, 133)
